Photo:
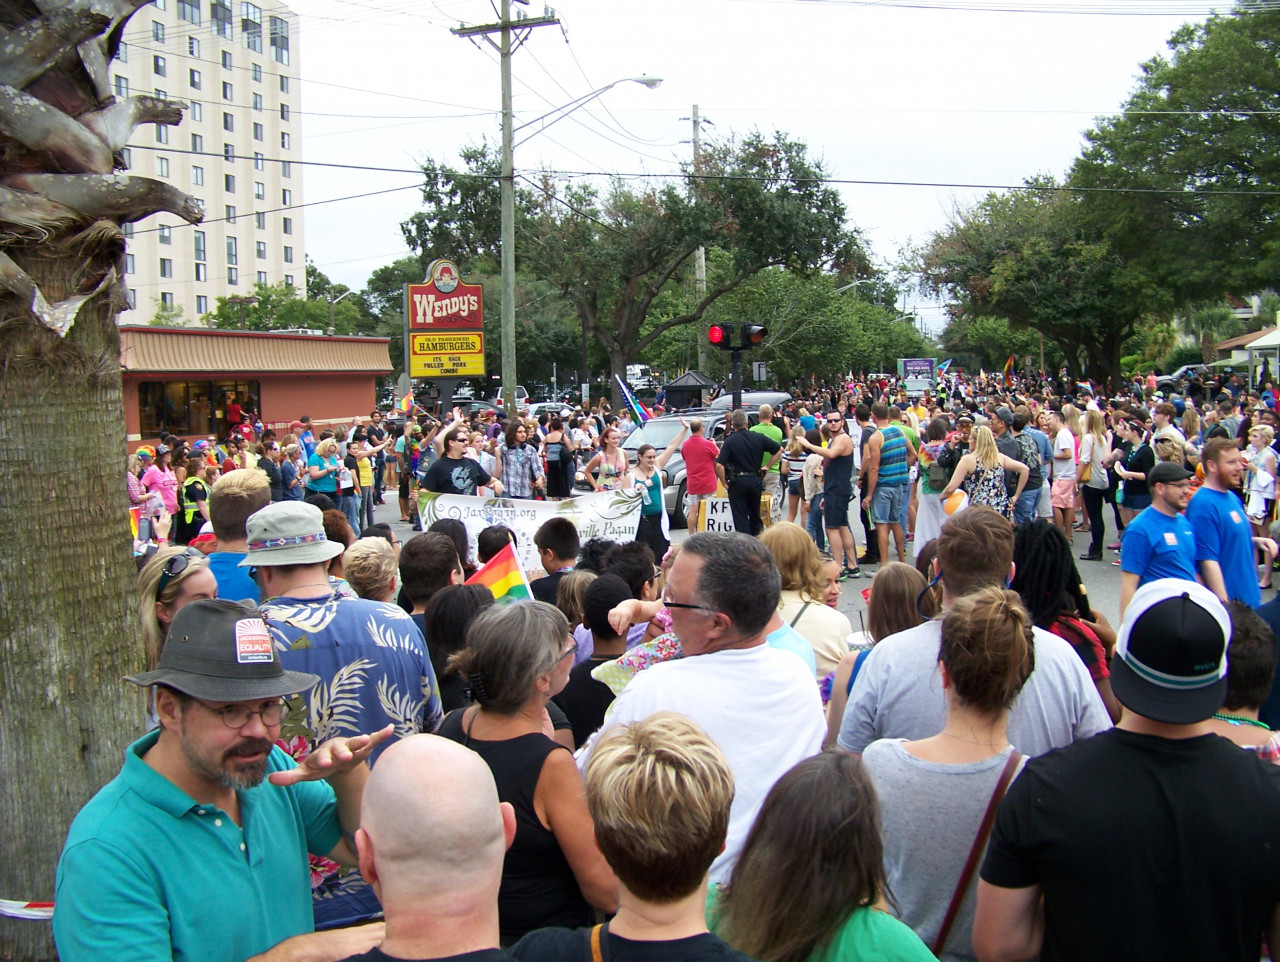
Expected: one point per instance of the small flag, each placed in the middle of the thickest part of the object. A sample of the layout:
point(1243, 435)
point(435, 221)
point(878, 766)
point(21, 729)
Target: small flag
point(135, 518)
point(942, 368)
point(504, 577)
point(26, 910)
point(406, 403)
point(1008, 372)
point(1084, 386)
point(638, 410)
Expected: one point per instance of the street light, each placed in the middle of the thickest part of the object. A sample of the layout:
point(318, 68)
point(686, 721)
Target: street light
point(508, 186)
point(334, 300)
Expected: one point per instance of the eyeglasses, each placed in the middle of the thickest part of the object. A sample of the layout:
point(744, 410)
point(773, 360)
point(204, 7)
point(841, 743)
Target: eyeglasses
point(175, 566)
point(237, 716)
point(571, 650)
point(835, 420)
point(667, 602)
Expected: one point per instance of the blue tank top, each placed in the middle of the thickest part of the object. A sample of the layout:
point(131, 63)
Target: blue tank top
point(893, 456)
point(652, 493)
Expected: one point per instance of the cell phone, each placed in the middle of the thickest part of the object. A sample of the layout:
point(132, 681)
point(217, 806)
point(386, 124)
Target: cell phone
point(1083, 607)
point(144, 529)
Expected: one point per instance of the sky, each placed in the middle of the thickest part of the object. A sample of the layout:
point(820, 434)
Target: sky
point(931, 94)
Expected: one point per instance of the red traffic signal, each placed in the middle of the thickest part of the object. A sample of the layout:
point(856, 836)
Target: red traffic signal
point(752, 335)
point(717, 335)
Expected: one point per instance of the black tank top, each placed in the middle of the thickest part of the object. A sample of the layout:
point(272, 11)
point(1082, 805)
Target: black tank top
point(538, 886)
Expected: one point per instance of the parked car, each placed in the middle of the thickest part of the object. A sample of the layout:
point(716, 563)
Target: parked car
point(551, 408)
point(661, 430)
point(752, 400)
point(1174, 381)
point(522, 396)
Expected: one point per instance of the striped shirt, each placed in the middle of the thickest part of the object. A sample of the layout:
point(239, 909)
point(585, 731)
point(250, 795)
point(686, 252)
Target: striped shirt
point(893, 456)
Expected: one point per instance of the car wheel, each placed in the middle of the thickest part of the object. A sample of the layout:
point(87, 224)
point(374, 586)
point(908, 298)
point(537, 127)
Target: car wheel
point(678, 520)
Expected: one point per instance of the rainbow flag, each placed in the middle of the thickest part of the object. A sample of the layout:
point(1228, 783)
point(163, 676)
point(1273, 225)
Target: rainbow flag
point(406, 403)
point(1084, 386)
point(504, 577)
point(1008, 372)
point(638, 410)
point(942, 368)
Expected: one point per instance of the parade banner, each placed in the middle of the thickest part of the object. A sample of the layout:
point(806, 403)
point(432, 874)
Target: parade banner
point(714, 514)
point(604, 514)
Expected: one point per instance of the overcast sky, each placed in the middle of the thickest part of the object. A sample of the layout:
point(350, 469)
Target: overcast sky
point(878, 92)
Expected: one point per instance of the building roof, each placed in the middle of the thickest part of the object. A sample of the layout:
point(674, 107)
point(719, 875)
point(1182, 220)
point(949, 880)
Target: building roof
point(166, 350)
point(691, 379)
point(1244, 340)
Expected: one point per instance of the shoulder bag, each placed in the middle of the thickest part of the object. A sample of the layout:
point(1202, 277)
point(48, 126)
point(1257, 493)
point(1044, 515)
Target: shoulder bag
point(975, 851)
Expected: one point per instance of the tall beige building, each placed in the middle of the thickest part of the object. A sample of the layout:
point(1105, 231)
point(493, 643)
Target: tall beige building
point(237, 148)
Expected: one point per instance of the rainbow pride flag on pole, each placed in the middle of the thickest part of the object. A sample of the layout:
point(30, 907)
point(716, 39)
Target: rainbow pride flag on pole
point(504, 577)
point(1008, 372)
point(406, 403)
point(638, 410)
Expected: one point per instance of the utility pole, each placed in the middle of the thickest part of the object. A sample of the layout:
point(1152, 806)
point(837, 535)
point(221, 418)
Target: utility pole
point(700, 257)
point(505, 28)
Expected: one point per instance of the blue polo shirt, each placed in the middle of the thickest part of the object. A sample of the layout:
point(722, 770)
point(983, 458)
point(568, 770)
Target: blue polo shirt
point(234, 583)
point(1158, 546)
point(147, 873)
point(1223, 535)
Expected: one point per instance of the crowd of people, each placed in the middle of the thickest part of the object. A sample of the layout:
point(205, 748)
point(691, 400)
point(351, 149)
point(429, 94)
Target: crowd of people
point(691, 753)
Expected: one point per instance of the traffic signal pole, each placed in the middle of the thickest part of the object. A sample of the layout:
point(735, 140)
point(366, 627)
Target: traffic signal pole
point(735, 379)
point(749, 336)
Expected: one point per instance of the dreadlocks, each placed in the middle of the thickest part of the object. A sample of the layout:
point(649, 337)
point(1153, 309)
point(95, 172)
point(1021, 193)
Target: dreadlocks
point(1045, 574)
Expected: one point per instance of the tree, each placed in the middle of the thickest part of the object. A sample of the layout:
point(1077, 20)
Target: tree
point(68, 577)
point(618, 258)
point(166, 315)
point(278, 307)
point(1208, 324)
point(978, 342)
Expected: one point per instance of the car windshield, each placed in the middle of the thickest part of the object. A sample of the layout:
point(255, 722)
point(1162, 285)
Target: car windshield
point(658, 433)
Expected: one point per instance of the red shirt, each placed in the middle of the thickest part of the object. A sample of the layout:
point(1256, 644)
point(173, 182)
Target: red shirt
point(700, 453)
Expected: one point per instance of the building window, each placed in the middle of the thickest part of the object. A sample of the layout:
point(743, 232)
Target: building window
point(161, 4)
point(229, 214)
point(284, 112)
point(166, 299)
point(284, 84)
point(262, 278)
point(288, 225)
point(233, 276)
point(161, 94)
point(229, 183)
point(165, 233)
point(132, 297)
point(228, 122)
point(220, 15)
point(233, 249)
point(126, 157)
point(251, 26)
point(189, 10)
point(122, 53)
point(286, 197)
point(122, 87)
point(228, 91)
point(162, 134)
point(202, 304)
point(257, 101)
point(157, 66)
point(197, 176)
point(199, 240)
point(259, 190)
point(229, 152)
point(226, 60)
point(255, 70)
point(129, 266)
point(193, 78)
point(288, 255)
point(280, 40)
point(286, 168)
point(197, 144)
point(284, 140)
point(126, 229)
point(202, 272)
point(190, 407)
point(162, 166)
point(197, 110)
point(166, 267)
point(260, 220)
point(288, 279)
point(157, 32)
point(193, 45)
point(259, 162)
point(260, 250)
point(257, 131)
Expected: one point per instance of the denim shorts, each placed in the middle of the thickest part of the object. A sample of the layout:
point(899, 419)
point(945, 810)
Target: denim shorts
point(888, 502)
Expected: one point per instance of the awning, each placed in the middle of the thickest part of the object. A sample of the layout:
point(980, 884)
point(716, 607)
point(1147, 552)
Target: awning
point(1246, 362)
point(1270, 340)
point(152, 350)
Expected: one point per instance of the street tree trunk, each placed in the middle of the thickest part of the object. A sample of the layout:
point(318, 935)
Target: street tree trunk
point(68, 582)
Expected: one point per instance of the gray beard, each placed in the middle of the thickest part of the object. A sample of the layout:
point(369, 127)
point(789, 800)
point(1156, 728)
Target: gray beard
point(249, 776)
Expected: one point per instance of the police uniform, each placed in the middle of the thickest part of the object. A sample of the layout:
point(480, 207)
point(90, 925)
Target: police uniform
point(741, 455)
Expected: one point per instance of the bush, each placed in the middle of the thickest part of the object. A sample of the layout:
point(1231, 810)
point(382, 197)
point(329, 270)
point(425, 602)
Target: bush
point(1180, 355)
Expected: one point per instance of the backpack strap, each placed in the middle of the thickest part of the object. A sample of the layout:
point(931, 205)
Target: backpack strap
point(803, 609)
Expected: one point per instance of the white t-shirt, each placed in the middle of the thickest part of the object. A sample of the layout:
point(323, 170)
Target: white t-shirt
point(898, 694)
point(1064, 468)
point(760, 705)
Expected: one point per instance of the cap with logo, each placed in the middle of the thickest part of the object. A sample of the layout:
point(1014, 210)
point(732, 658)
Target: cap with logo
point(222, 651)
point(1171, 657)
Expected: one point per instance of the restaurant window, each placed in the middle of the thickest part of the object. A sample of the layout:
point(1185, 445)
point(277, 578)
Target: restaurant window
point(191, 407)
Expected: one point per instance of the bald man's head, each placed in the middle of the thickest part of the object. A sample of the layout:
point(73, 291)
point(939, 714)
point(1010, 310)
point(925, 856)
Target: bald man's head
point(431, 822)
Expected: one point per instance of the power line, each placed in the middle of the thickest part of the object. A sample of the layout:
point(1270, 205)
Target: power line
point(1112, 8)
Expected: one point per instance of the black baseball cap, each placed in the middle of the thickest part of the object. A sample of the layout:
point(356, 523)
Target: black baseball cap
point(1167, 472)
point(1171, 657)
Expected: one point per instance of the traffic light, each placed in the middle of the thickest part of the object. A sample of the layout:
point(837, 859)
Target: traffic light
point(721, 335)
point(752, 335)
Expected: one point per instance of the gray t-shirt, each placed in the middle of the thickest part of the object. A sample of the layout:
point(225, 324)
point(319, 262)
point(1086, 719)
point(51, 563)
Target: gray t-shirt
point(898, 694)
point(930, 813)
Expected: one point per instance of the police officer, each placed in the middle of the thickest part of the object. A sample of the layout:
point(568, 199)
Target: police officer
point(738, 467)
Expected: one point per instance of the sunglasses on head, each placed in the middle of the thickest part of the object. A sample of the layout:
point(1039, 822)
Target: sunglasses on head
point(175, 566)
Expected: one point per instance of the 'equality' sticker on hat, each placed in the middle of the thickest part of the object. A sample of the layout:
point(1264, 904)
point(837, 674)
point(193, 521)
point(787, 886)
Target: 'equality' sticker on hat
point(253, 641)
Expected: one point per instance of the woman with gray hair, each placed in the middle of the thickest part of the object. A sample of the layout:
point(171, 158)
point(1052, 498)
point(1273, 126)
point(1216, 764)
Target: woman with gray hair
point(518, 656)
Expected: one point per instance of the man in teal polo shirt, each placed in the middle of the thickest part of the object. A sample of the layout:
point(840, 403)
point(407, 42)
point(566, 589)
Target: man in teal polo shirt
point(197, 850)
